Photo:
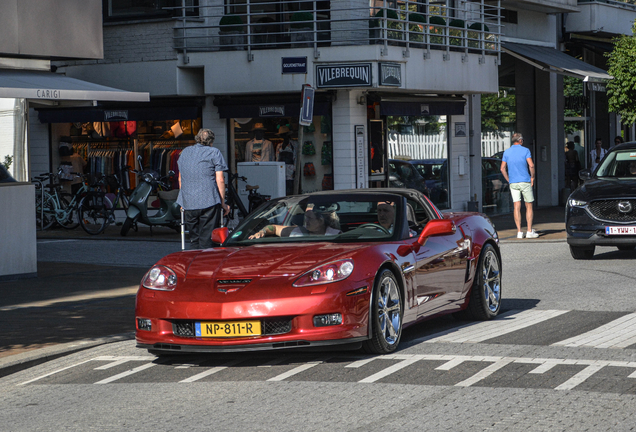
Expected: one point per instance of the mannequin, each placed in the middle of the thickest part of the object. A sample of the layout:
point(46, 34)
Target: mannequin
point(258, 149)
point(286, 152)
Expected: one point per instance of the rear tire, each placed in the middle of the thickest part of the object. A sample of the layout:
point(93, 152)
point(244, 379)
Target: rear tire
point(385, 315)
point(93, 216)
point(579, 253)
point(485, 295)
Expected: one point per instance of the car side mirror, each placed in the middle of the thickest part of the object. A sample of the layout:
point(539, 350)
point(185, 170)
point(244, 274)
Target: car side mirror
point(219, 235)
point(585, 174)
point(436, 227)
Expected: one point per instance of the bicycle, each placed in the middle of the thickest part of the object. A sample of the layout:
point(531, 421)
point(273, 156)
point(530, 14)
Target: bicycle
point(255, 199)
point(119, 196)
point(46, 215)
point(87, 207)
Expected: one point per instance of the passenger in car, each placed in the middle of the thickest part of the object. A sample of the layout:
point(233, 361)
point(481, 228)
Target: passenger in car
point(315, 223)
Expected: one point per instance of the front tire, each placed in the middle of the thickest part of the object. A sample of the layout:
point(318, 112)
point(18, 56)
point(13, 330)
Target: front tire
point(485, 296)
point(386, 315)
point(579, 253)
point(128, 223)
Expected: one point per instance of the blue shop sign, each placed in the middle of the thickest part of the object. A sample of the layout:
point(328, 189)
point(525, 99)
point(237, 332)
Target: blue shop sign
point(294, 65)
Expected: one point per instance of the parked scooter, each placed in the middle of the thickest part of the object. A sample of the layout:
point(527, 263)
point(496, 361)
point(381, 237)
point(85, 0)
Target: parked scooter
point(169, 213)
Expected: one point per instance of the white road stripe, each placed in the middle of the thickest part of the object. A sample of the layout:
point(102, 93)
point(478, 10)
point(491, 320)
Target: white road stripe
point(485, 373)
point(127, 373)
point(581, 376)
point(619, 333)
point(298, 370)
point(391, 369)
point(211, 371)
point(505, 323)
point(53, 373)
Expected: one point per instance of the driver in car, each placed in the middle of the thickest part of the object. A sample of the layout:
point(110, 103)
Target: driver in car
point(386, 216)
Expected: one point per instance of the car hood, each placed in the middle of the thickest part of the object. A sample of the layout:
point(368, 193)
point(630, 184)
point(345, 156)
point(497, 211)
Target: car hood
point(606, 188)
point(266, 260)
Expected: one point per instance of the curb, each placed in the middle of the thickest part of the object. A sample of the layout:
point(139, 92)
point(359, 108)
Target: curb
point(19, 362)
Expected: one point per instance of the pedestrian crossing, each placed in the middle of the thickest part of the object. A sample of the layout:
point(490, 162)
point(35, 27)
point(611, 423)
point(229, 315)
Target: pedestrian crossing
point(615, 331)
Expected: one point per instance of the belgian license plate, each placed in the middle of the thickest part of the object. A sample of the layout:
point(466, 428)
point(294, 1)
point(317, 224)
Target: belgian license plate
point(228, 328)
point(615, 230)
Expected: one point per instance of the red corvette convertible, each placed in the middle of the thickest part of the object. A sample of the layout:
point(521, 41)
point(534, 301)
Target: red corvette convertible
point(350, 268)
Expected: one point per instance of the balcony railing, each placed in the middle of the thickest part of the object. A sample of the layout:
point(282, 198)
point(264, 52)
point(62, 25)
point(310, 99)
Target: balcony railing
point(256, 25)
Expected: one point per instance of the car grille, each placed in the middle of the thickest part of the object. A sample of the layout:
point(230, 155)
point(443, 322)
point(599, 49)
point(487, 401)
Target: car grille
point(270, 326)
point(607, 210)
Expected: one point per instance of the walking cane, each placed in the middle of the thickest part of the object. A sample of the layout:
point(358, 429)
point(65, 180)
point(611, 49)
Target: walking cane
point(182, 231)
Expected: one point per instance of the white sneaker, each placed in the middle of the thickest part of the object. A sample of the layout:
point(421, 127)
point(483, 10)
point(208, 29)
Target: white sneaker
point(531, 234)
point(519, 234)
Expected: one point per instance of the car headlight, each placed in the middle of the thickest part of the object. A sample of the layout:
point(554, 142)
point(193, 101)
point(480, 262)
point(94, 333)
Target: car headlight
point(327, 273)
point(576, 203)
point(160, 278)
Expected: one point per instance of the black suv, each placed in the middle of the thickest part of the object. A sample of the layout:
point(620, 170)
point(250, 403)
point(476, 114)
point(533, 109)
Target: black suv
point(602, 211)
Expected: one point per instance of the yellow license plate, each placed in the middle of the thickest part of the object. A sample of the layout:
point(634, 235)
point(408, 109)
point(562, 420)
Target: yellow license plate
point(228, 328)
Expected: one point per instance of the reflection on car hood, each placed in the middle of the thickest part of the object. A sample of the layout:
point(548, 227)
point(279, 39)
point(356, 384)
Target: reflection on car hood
point(265, 260)
point(606, 188)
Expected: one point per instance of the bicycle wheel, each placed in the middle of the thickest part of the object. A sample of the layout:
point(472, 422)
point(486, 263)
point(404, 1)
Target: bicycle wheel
point(69, 219)
point(44, 217)
point(94, 213)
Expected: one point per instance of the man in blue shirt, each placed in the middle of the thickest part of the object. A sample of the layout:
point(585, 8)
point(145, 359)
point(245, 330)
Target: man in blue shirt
point(202, 193)
point(517, 160)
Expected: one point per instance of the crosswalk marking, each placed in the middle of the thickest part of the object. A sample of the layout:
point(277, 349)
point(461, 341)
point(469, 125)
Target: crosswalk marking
point(298, 370)
point(619, 333)
point(496, 363)
point(127, 373)
point(505, 323)
point(209, 372)
point(485, 373)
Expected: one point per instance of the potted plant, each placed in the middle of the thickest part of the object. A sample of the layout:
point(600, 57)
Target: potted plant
point(232, 32)
point(392, 23)
point(438, 25)
point(301, 29)
point(455, 32)
point(416, 28)
point(474, 38)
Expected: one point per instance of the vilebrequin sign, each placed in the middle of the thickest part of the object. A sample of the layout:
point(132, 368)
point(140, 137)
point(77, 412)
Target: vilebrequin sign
point(343, 75)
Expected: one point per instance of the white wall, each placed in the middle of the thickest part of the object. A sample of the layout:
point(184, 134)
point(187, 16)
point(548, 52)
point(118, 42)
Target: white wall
point(39, 149)
point(347, 113)
point(18, 256)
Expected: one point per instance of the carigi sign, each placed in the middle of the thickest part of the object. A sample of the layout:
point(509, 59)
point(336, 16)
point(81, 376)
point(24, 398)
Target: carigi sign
point(344, 75)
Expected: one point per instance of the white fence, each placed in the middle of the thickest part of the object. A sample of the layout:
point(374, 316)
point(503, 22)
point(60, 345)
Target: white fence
point(410, 146)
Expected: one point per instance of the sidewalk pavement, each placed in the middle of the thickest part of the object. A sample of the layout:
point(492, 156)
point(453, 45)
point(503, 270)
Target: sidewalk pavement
point(74, 306)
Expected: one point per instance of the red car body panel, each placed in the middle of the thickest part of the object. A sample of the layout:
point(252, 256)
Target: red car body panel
point(257, 284)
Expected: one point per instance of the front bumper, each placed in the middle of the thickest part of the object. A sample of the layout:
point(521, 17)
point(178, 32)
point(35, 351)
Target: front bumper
point(585, 231)
point(166, 313)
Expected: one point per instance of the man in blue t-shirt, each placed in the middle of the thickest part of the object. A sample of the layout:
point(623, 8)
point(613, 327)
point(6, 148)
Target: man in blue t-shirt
point(517, 161)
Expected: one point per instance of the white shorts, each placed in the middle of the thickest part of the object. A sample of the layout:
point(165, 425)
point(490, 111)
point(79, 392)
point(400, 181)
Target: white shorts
point(523, 188)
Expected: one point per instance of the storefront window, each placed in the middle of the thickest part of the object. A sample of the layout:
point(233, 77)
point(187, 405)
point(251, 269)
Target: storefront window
point(306, 154)
point(418, 156)
point(498, 121)
point(13, 141)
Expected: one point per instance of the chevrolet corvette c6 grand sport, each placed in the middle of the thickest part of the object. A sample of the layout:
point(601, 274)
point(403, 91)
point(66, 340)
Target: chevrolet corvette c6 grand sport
point(345, 269)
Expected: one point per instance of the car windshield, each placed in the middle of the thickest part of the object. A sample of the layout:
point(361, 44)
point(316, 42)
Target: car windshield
point(618, 164)
point(341, 217)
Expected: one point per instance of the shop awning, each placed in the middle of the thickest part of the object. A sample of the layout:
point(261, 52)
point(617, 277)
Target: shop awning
point(29, 84)
point(552, 60)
